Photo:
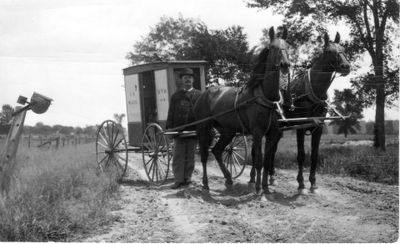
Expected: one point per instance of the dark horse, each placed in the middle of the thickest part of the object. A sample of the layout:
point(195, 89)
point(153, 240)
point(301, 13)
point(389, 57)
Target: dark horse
point(308, 94)
point(250, 111)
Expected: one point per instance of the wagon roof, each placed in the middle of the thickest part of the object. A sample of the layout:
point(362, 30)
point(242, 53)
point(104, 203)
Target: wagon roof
point(161, 65)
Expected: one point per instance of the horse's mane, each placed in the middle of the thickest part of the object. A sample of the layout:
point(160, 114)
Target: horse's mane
point(259, 69)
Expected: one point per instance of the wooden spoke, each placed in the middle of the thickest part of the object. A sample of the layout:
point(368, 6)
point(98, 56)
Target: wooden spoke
point(235, 155)
point(104, 139)
point(104, 146)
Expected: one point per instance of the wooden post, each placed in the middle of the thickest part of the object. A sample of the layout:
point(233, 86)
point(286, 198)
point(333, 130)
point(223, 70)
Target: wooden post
point(38, 104)
point(7, 159)
point(57, 142)
point(29, 140)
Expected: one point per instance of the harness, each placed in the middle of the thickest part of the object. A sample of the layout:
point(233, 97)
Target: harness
point(259, 99)
point(308, 93)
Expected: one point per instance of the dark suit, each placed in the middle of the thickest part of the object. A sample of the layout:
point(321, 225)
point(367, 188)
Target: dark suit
point(180, 112)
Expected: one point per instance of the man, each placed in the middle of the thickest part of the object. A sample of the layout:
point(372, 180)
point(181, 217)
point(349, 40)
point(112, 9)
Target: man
point(180, 113)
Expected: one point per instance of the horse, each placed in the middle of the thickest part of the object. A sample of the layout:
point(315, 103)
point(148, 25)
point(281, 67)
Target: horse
point(248, 111)
point(307, 98)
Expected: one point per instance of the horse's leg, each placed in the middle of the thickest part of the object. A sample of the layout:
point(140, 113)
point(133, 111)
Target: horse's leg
point(224, 139)
point(205, 138)
point(252, 182)
point(253, 170)
point(257, 159)
point(315, 140)
point(271, 142)
point(271, 171)
point(300, 160)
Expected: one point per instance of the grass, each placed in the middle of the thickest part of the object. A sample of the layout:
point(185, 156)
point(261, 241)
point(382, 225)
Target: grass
point(56, 195)
point(362, 162)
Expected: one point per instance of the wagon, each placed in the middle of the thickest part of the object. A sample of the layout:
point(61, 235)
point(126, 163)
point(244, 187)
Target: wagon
point(148, 88)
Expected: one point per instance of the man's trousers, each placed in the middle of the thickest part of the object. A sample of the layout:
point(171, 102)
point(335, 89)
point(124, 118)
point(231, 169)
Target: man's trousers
point(183, 159)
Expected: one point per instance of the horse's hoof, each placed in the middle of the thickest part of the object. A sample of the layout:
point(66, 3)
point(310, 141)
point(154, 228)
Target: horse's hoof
point(259, 192)
point(303, 192)
point(267, 196)
point(314, 190)
point(273, 182)
point(264, 198)
point(206, 188)
point(228, 186)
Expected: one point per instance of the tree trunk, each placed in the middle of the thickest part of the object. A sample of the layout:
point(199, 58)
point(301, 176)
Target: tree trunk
point(380, 104)
point(380, 117)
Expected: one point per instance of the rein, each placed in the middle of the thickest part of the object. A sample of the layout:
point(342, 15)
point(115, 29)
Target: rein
point(245, 103)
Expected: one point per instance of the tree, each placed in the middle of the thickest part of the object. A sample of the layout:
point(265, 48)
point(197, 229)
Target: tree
point(347, 102)
point(227, 51)
point(90, 130)
point(370, 21)
point(42, 129)
point(118, 118)
point(6, 114)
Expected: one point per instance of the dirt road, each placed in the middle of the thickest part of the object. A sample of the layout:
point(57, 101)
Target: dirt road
point(344, 210)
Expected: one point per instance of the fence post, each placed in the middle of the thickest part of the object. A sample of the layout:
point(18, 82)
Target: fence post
point(7, 160)
point(57, 142)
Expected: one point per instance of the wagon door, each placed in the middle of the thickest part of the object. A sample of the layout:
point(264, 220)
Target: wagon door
point(148, 94)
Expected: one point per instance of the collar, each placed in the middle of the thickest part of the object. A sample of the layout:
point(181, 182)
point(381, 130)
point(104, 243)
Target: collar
point(191, 89)
point(310, 92)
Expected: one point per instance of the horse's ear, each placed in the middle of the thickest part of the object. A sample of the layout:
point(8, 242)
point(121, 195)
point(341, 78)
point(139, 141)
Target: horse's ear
point(326, 39)
point(271, 33)
point(337, 38)
point(285, 33)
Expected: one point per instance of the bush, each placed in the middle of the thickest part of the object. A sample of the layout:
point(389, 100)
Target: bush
point(55, 195)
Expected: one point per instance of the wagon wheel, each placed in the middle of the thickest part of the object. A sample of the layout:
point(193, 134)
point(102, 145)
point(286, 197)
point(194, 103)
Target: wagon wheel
point(235, 156)
point(156, 154)
point(111, 149)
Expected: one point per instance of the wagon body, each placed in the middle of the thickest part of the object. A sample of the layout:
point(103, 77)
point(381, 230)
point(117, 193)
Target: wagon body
point(148, 89)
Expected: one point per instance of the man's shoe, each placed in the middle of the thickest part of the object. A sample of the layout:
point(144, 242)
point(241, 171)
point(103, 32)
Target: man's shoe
point(188, 182)
point(177, 185)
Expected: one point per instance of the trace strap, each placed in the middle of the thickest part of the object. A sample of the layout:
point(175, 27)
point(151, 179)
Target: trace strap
point(235, 105)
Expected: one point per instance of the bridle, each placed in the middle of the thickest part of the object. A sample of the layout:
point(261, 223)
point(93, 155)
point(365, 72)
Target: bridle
point(309, 91)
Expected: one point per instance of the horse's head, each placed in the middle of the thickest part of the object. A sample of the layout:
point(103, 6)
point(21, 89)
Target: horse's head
point(333, 56)
point(278, 59)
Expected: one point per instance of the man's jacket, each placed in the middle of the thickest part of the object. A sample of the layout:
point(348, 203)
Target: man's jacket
point(180, 110)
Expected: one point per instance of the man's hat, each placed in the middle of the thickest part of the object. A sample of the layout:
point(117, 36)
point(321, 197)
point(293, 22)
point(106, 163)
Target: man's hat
point(187, 71)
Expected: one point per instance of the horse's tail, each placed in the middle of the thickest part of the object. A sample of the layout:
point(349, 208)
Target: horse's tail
point(204, 130)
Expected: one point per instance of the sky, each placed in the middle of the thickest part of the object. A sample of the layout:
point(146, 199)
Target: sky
point(74, 51)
